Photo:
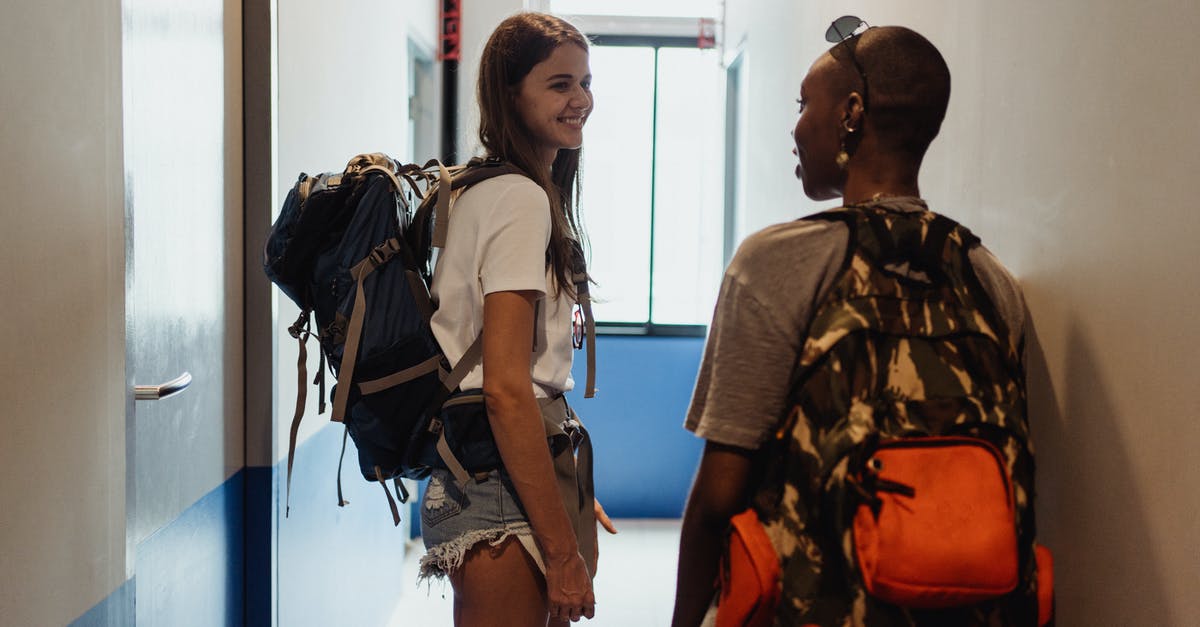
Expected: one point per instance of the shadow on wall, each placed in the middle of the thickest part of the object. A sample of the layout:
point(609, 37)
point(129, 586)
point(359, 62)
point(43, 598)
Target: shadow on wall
point(1089, 511)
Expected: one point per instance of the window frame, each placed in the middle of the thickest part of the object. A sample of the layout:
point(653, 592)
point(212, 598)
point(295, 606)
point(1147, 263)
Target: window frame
point(649, 328)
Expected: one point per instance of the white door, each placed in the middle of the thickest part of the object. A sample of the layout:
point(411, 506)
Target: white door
point(182, 144)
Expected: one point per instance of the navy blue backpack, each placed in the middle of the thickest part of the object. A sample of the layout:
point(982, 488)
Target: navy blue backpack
point(352, 249)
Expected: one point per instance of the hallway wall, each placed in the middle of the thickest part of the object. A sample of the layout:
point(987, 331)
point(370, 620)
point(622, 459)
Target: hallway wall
point(75, 540)
point(62, 368)
point(342, 89)
point(1069, 147)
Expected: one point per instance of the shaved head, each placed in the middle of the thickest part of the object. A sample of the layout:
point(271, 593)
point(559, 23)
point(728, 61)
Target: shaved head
point(908, 85)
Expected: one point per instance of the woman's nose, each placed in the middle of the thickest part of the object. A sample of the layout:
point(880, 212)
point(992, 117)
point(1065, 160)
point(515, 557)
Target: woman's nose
point(581, 99)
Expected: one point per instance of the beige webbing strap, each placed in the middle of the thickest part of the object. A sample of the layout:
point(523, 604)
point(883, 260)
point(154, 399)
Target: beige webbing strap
point(388, 171)
point(359, 272)
point(396, 378)
point(350, 349)
point(342, 502)
point(301, 399)
point(391, 501)
point(420, 294)
point(469, 360)
point(441, 215)
point(412, 184)
point(452, 464)
point(581, 465)
point(589, 331)
point(573, 473)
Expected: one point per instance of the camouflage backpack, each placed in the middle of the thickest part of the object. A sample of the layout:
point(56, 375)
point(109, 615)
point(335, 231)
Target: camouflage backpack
point(906, 374)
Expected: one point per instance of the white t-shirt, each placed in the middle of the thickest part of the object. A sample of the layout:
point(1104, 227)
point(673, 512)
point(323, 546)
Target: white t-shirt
point(497, 238)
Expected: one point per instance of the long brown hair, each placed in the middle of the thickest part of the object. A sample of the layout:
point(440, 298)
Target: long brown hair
point(519, 43)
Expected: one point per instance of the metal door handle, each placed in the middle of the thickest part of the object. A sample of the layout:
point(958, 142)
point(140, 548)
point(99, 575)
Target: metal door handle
point(156, 392)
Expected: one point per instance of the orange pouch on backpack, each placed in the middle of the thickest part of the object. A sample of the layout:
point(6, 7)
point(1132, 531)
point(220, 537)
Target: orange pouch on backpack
point(941, 531)
point(749, 575)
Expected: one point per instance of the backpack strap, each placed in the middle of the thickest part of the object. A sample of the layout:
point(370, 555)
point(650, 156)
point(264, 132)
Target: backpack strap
point(450, 382)
point(474, 171)
point(441, 213)
point(420, 293)
point(386, 171)
point(300, 331)
point(582, 296)
point(401, 491)
point(359, 272)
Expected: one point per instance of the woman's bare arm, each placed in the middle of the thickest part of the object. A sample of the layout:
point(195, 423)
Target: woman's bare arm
point(720, 491)
point(516, 420)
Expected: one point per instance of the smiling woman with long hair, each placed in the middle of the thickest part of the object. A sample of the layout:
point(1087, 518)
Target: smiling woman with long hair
point(518, 542)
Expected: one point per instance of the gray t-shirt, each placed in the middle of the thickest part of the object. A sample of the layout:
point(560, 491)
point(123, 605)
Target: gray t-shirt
point(769, 294)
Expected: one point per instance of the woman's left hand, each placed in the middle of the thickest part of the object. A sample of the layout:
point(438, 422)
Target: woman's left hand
point(603, 518)
point(605, 522)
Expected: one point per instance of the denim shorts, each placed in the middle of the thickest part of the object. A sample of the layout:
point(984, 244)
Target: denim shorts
point(455, 518)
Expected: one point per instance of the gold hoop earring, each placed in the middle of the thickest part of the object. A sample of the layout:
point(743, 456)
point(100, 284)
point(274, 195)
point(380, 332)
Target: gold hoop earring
point(843, 157)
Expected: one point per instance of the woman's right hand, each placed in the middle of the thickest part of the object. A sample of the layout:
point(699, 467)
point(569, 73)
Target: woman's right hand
point(569, 588)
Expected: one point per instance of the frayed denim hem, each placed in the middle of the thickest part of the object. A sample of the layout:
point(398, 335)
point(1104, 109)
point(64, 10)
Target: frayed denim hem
point(442, 559)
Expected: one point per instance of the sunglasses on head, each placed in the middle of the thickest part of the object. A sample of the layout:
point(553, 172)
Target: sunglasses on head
point(842, 30)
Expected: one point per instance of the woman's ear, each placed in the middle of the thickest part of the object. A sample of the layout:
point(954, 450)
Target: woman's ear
point(852, 112)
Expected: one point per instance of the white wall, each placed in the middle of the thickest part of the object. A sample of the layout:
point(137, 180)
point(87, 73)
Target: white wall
point(765, 34)
point(62, 368)
point(342, 91)
point(479, 19)
point(1070, 147)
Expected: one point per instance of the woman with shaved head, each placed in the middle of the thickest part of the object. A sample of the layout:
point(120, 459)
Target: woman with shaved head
point(829, 339)
point(869, 108)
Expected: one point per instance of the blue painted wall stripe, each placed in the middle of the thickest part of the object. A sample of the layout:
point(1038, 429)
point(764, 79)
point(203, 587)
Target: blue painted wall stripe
point(644, 458)
point(259, 534)
point(192, 571)
point(116, 609)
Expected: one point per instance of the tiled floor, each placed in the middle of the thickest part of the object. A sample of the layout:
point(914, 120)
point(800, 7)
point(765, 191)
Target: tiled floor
point(635, 583)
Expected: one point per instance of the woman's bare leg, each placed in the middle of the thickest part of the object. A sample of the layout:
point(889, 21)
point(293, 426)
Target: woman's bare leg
point(499, 587)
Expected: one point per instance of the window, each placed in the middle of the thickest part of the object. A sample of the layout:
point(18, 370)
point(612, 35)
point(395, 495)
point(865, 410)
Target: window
point(654, 196)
